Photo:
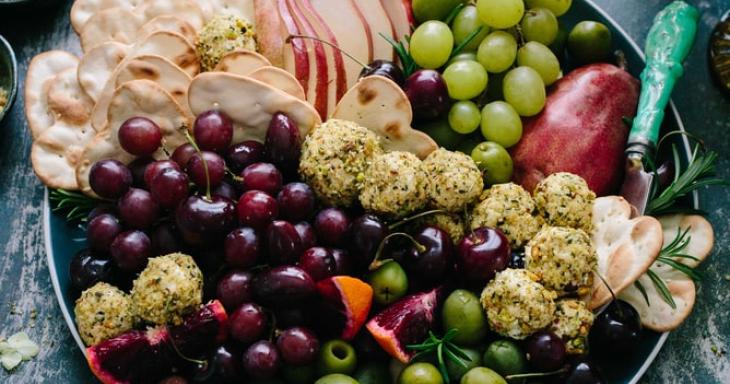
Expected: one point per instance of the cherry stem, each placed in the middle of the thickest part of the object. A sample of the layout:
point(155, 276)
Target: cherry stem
point(353, 58)
point(610, 290)
point(534, 375)
point(203, 363)
point(233, 175)
point(414, 217)
point(377, 262)
point(205, 164)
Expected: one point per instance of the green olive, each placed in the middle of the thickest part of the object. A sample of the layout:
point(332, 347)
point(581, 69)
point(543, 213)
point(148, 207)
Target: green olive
point(372, 373)
point(589, 41)
point(463, 311)
point(494, 161)
point(481, 375)
point(389, 283)
point(420, 373)
point(456, 371)
point(337, 356)
point(505, 357)
point(336, 378)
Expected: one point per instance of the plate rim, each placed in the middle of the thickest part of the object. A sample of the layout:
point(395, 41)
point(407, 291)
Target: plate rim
point(635, 379)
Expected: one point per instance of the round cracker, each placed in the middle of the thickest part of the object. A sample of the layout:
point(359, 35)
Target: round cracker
point(657, 314)
point(241, 62)
point(170, 23)
point(113, 24)
point(66, 100)
point(83, 10)
point(97, 66)
point(279, 79)
point(699, 232)
point(43, 68)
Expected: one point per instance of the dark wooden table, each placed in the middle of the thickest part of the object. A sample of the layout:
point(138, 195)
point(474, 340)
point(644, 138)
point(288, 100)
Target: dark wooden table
point(696, 353)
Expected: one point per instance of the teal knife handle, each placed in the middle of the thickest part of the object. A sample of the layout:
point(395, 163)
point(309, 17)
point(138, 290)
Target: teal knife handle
point(669, 41)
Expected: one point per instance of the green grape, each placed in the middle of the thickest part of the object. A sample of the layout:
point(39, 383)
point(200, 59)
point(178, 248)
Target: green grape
point(557, 7)
point(541, 59)
point(539, 24)
point(494, 161)
point(524, 90)
point(465, 79)
point(501, 124)
point(464, 117)
point(431, 44)
point(464, 56)
point(441, 132)
point(497, 51)
point(464, 24)
point(589, 41)
point(501, 13)
point(425, 10)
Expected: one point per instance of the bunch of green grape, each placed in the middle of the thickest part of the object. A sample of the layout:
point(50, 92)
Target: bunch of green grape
point(505, 61)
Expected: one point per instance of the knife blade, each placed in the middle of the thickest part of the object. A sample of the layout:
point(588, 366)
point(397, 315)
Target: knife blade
point(667, 45)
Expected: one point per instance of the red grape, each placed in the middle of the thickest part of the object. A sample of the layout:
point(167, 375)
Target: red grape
point(234, 289)
point(130, 250)
point(169, 188)
point(306, 234)
point(286, 284)
point(296, 201)
point(101, 231)
point(298, 346)
point(332, 226)
point(385, 68)
point(247, 323)
point(263, 177)
point(241, 247)
point(213, 131)
point(138, 168)
point(283, 243)
point(86, 270)
point(545, 351)
point(182, 155)
point(433, 264)
point(318, 262)
point(368, 231)
point(261, 360)
point(225, 190)
point(283, 142)
point(110, 179)
point(481, 254)
point(155, 168)
point(140, 136)
point(342, 261)
point(240, 156)
point(138, 209)
point(429, 96)
point(216, 169)
point(165, 239)
point(257, 209)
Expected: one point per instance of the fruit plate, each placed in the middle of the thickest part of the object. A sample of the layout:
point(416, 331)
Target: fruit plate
point(63, 240)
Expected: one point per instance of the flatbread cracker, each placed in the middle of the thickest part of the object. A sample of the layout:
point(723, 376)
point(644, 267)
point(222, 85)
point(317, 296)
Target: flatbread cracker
point(98, 65)
point(137, 98)
point(249, 102)
point(43, 68)
point(281, 80)
point(625, 246)
point(241, 8)
point(169, 23)
point(241, 62)
point(83, 10)
point(379, 104)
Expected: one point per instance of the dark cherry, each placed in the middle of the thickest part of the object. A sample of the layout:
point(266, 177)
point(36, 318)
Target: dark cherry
point(101, 231)
point(433, 259)
point(332, 226)
point(215, 165)
point(261, 360)
point(169, 188)
point(283, 142)
point(283, 285)
point(110, 179)
point(481, 254)
point(385, 68)
point(429, 96)
point(318, 262)
point(296, 202)
point(235, 288)
point(247, 323)
point(156, 167)
point(616, 331)
point(100, 210)
point(130, 250)
point(213, 131)
point(225, 190)
point(263, 177)
point(86, 270)
point(182, 155)
point(139, 136)
point(242, 247)
point(368, 231)
point(241, 155)
point(138, 209)
point(202, 220)
point(227, 364)
point(283, 243)
point(298, 346)
point(343, 264)
point(584, 371)
point(545, 351)
point(138, 168)
point(306, 234)
point(165, 239)
point(257, 209)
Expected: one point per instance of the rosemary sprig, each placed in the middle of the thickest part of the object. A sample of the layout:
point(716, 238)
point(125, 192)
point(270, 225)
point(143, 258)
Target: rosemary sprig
point(466, 41)
point(662, 288)
point(641, 289)
point(454, 12)
point(75, 206)
point(444, 350)
point(409, 65)
point(700, 172)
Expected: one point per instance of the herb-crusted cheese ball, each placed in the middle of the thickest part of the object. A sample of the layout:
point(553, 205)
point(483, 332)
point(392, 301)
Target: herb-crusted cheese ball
point(451, 223)
point(168, 289)
point(334, 159)
point(102, 312)
point(516, 304)
point(564, 199)
point(394, 185)
point(454, 180)
point(564, 259)
point(221, 35)
point(572, 322)
point(509, 208)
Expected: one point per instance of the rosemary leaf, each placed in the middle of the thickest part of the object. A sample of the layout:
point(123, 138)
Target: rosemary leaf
point(452, 356)
point(454, 12)
point(691, 273)
point(466, 41)
point(661, 287)
point(641, 289)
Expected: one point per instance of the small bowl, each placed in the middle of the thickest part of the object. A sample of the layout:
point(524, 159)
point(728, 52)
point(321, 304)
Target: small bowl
point(8, 74)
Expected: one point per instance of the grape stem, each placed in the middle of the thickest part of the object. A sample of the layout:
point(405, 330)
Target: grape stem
point(377, 262)
point(353, 58)
point(192, 142)
point(415, 217)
